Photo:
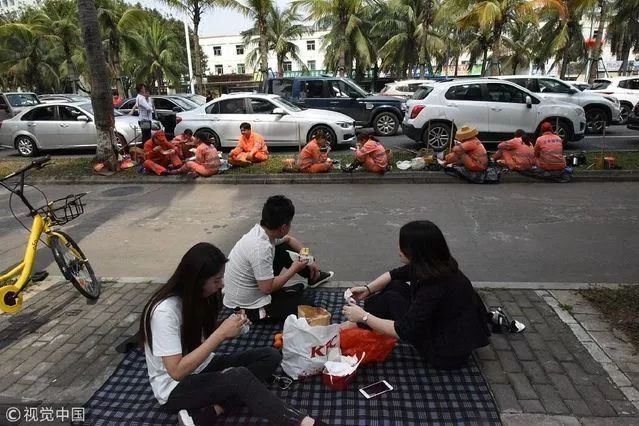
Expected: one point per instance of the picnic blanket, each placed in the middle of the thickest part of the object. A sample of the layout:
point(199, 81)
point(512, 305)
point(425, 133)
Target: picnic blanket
point(421, 395)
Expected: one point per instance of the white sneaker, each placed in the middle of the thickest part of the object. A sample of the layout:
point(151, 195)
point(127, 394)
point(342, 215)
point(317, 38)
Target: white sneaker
point(184, 419)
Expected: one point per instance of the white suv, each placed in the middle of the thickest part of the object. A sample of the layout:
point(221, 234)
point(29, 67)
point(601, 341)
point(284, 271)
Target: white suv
point(404, 88)
point(495, 108)
point(626, 89)
point(600, 110)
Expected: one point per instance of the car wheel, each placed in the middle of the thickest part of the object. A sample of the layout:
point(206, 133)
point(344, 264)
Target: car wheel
point(386, 124)
point(562, 130)
point(26, 146)
point(625, 112)
point(213, 137)
point(595, 120)
point(120, 143)
point(330, 135)
point(438, 137)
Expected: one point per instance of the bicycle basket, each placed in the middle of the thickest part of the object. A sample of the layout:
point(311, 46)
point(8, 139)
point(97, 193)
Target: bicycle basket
point(64, 209)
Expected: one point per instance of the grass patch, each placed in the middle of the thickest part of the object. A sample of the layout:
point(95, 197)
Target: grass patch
point(75, 167)
point(620, 306)
point(567, 308)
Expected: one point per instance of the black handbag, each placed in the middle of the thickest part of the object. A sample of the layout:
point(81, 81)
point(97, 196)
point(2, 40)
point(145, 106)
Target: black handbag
point(145, 124)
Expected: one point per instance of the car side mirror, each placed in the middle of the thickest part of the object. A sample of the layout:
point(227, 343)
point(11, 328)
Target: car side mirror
point(82, 118)
point(528, 102)
point(278, 111)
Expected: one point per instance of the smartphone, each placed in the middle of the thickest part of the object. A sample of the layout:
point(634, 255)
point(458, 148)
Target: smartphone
point(376, 389)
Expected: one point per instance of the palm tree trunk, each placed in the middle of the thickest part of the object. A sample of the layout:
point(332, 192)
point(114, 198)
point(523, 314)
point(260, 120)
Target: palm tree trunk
point(263, 45)
point(71, 71)
point(426, 21)
point(456, 64)
point(596, 51)
point(99, 77)
point(515, 65)
point(625, 53)
point(496, 48)
point(196, 54)
point(565, 60)
point(280, 65)
point(117, 66)
point(484, 60)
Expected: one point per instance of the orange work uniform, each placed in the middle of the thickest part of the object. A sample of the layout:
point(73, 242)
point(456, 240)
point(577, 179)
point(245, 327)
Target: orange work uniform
point(470, 154)
point(516, 155)
point(313, 160)
point(249, 150)
point(549, 152)
point(183, 143)
point(207, 161)
point(155, 160)
point(373, 155)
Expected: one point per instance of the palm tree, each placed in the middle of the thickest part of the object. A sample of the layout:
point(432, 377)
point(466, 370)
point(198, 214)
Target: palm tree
point(282, 29)
point(99, 78)
point(623, 30)
point(519, 41)
point(596, 50)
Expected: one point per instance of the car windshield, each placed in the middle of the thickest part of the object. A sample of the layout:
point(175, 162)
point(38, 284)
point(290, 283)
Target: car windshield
point(186, 104)
point(89, 108)
point(198, 99)
point(286, 104)
point(22, 99)
point(357, 87)
point(600, 85)
point(422, 93)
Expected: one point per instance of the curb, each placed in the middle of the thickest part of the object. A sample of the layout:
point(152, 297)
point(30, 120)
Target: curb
point(297, 178)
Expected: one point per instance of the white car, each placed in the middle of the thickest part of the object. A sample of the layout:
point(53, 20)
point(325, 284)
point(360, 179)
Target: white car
point(496, 108)
point(626, 89)
point(403, 88)
point(600, 110)
point(279, 121)
point(62, 125)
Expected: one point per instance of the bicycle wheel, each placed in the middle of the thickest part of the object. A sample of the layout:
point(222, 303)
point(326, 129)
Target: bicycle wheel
point(76, 269)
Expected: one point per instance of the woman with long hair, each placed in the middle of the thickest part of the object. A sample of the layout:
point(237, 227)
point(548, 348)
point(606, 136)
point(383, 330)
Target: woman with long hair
point(180, 335)
point(428, 302)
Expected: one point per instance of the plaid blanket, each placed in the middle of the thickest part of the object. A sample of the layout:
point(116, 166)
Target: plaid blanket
point(421, 395)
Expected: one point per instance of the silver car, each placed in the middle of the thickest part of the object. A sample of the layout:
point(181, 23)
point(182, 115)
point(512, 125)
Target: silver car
point(62, 125)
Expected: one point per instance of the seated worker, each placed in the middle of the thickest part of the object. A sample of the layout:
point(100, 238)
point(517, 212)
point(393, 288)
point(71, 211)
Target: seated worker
point(160, 154)
point(250, 148)
point(516, 154)
point(255, 275)
point(370, 153)
point(183, 142)
point(470, 152)
point(428, 302)
point(207, 160)
point(312, 159)
point(549, 150)
point(182, 337)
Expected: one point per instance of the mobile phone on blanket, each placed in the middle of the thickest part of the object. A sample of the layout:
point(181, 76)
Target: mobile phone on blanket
point(375, 389)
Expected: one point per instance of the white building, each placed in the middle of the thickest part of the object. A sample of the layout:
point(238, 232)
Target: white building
point(8, 6)
point(227, 54)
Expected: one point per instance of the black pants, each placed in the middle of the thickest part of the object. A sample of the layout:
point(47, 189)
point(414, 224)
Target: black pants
point(285, 301)
point(146, 133)
point(232, 379)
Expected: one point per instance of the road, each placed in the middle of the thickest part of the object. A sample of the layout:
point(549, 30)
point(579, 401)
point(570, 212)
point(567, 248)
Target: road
point(617, 138)
point(503, 233)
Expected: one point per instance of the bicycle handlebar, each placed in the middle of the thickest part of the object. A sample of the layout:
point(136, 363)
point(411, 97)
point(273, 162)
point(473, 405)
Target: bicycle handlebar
point(38, 162)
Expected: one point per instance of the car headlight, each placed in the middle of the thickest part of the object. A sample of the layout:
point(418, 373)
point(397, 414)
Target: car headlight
point(613, 100)
point(344, 124)
point(580, 112)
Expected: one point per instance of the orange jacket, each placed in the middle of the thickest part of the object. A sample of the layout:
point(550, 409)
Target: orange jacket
point(311, 154)
point(549, 152)
point(157, 156)
point(253, 144)
point(374, 150)
point(472, 154)
point(517, 155)
point(208, 156)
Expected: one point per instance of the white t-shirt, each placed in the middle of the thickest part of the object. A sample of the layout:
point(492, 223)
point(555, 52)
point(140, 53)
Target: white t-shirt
point(145, 107)
point(250, 261)
point(166, 323)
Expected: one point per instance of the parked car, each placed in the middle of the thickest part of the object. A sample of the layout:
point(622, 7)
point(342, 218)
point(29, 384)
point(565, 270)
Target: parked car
point(61, 125)
point(626, 89)
point(581, 85)
point(600, 110)
point(496, 108)
point(633, 118)
point(64, 97)
point(403, 89)
point(382, 113)
point(279, 121)
point(166, 108)
point(13, 103)
point(193, 97)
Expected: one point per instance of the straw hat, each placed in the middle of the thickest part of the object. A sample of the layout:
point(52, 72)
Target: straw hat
point(465, 133)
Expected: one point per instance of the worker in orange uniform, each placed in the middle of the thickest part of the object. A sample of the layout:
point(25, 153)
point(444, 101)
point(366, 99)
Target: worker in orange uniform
point(250, 148)
point(370, 153)
point(549, 150)
point(470, 152)
point(160, 153)
point(183, 143)
point(207, 159)
point(516, 154)
point(312, 159)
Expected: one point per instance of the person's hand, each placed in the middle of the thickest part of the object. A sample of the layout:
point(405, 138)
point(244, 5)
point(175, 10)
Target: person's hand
point(360, 292)
point(249, 157)
point(232, 326)
point(353, 313)
point(157, 148)
point(299, 265)
point(314, 271)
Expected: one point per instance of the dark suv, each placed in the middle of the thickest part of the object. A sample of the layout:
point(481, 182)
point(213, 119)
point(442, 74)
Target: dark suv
point(382, 113)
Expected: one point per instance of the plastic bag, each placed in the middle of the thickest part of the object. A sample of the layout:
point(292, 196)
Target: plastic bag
point(314, 315)
point(357, 341)
point(417, 163)
point(306, 349)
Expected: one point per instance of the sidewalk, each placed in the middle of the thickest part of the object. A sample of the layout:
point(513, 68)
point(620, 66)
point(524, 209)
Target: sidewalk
point(569, 367)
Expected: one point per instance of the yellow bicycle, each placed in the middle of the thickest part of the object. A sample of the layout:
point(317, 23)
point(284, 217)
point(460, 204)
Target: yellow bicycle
point(72, 262)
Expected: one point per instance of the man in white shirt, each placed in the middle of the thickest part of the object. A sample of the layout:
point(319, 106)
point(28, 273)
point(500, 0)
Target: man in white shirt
point(255, 274)
point(144, 104)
